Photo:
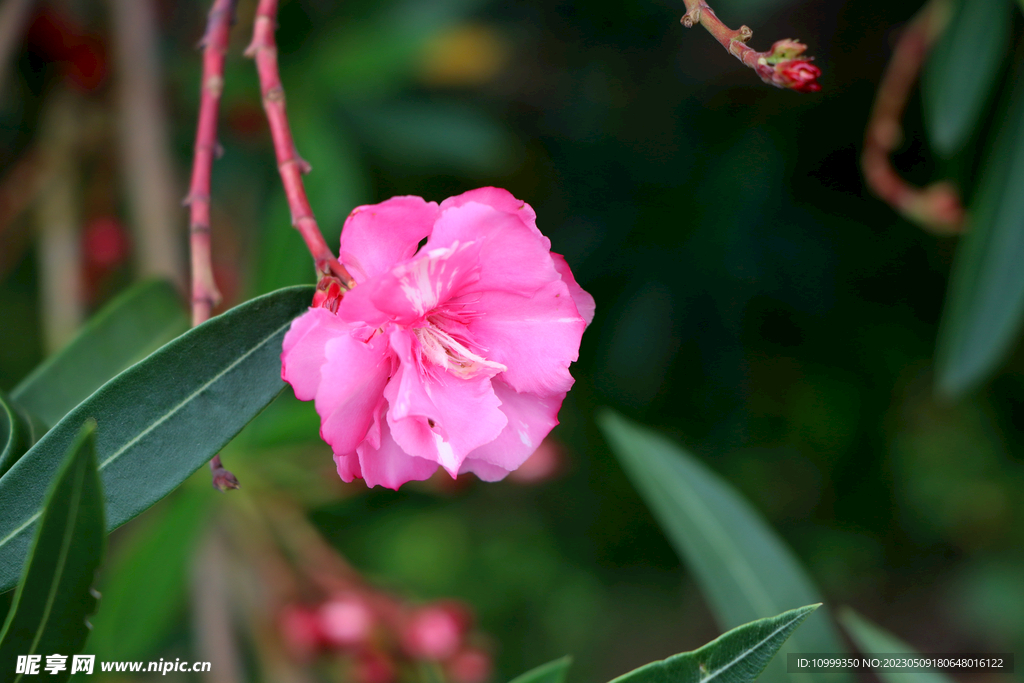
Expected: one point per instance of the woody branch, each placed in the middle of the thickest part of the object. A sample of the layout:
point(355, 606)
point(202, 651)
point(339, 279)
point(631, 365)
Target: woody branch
point(263, 49)
point(205, 295)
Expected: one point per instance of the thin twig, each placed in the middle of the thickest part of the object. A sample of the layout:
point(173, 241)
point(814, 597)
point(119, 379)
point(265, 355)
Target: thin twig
point(783, 66)
point(937, 207)
point(263, 49)
point(58, 221)
point(205, 295)
point(145, 140)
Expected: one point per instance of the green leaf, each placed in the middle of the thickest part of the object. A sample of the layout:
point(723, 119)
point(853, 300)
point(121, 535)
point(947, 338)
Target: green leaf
point(144, 585)
point(125, 331)
point(962, 69)
point(872, 639)
point(985, 302)
point(54, 596)
point(17, 433)
point(743, 568)
point(161, 419)
point(738, 656)
point(552, 672)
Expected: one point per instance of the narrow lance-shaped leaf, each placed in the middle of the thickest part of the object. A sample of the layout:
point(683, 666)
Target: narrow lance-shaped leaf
point(738, 656)
point(55, 597)
point(962, 69)
point(743, 568)
point(17, 433)
point(872, 639)
point(985, 302)
point(125, 331)
point(552, 672)
point(161, 419)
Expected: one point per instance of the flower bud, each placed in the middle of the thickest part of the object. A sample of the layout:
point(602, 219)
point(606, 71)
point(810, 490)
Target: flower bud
point(471, 665)
point(436, 631)
point(345, 620)
point(797, 74)
point(373, 667)
point(300, 629)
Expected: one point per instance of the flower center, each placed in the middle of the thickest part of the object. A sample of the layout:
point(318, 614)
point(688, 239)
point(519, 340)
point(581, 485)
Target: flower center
point(442, 349)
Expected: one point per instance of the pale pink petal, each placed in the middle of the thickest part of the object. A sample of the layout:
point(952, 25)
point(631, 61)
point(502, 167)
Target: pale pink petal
point(302, 353)
point(584, 302)
point(389, 465)
point(513, 257)
point(536, 337)
point(484, 470)
point(378, 236)
point(500, 199)
point(436, 415)
point(348, 467)
point(351, 384)
point(530, 419)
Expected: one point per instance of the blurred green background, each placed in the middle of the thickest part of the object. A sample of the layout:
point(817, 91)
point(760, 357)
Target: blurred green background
point(754, 302)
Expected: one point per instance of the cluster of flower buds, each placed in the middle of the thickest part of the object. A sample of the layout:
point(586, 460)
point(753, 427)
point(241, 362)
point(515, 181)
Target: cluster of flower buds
point(383, 640)
point(790, 68)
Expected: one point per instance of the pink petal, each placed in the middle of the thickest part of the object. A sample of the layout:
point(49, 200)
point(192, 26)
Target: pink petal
point(348, 467)
point(434, 414)
point(302, 354)
point(389, 465)
point(513, 257)
point(378, 236)
point(498, 198)
point(484, 470)
point(536, 337)
point(412, 288)
point(351, 386)
point(530, 419)
point(584, 302)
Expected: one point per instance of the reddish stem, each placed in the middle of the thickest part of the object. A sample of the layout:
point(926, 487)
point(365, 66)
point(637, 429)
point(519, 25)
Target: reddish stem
point(205, 295)
point(936, 207)
point(263, 49)
point(783, 66)
point(734, 41)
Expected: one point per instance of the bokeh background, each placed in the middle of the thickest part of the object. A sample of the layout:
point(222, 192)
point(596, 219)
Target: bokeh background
point(754, 300)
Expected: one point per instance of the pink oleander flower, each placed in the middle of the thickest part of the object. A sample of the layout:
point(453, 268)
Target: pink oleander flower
point(454, 354)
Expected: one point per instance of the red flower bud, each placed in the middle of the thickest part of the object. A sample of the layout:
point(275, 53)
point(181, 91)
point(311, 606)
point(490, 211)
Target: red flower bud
point(346, 620)
point(797, 74)
point(469, 666)
point(436, 631)
point(373, 667)
point(301, 630)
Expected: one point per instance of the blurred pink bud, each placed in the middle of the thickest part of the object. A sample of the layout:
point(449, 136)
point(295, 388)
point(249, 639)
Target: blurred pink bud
point(436, 631)
point(373, 667)
point(545, 463)
point(300, 628)
point(469, 666)
point(104, 242)
point(798, 74)
point(346, 620)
